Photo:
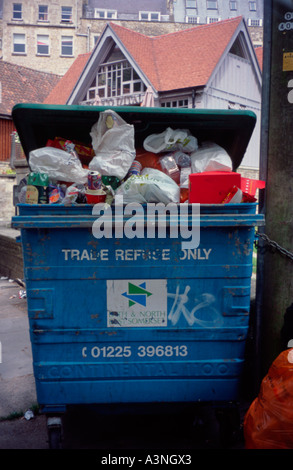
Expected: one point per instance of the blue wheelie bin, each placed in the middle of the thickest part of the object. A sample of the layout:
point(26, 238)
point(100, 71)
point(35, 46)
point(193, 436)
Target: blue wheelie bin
point(141, 320)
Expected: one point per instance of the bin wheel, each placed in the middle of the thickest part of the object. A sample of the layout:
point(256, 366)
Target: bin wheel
point(54, 427)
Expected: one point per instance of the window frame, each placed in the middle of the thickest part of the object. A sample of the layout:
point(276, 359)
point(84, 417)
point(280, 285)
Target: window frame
point(114, 73)
point(180, 102)
point(14, 12)
point(109, 14)
point(46, 13)
point(63, 39)
point(148, 14)
point(39, 53)
point(64, 16)
point(193, 6)
point(22, 43)
point(210, 7)
point(233, 5)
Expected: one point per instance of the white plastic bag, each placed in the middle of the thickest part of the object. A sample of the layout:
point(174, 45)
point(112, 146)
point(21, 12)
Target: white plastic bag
point(210, 157)
point(113, 143)
point(171, 140)
point(58, 164)
point(150, 186)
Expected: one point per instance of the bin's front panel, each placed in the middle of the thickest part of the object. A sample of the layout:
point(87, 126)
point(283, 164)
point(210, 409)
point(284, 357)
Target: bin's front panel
point(137, 320)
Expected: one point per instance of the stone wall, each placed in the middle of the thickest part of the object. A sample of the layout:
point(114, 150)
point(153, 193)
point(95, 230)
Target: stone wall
point(7, 210)
point(11, 261)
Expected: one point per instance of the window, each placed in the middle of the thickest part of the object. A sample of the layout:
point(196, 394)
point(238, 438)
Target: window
point(238, 48)
point(192, 19)
point(42, 44)
point(233, 6)
point(212, 20)
point(212, 5)
point(115, 79)
point(67, 46)
point(19, 43)
point(177, 103)
point(238, 106)
point(17, 11)
point(149, 16)
point(110, 14)
point(66, 14)
point(191, 12)
point(254, 22)
point(252, 6)
point(43, 13)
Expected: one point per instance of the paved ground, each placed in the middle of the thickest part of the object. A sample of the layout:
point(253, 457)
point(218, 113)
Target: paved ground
point(84, 428)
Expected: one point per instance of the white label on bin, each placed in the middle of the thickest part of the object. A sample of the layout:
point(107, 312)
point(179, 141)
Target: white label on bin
point(137, 303)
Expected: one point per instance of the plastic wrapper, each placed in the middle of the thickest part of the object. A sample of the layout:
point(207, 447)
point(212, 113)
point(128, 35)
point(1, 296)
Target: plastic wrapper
point(113, 143)
point(56, 194)
point(171, 140)
point(184, 177)
point(75, 194)
point(210, 157)
point(150, 186)
point(268, 423)
point(58, 164)
point(182, 159)
point(170, 167)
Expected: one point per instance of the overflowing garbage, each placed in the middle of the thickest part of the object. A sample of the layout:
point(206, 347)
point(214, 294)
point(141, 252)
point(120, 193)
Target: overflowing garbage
point(171, 166)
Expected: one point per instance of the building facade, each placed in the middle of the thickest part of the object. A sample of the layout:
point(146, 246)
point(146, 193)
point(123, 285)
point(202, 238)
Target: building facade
point(206, 12)
point(182, 11)
point(129, 10)
point(41, 35)
point(48, 36)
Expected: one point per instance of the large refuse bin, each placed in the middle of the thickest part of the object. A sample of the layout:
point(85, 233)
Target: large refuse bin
point(120, 320)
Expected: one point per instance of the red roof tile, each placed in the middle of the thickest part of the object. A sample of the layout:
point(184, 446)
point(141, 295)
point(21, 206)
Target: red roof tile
point(259, 55)
point(62, 91)
point(21, 84)
point(182, 59)
point(171, 61)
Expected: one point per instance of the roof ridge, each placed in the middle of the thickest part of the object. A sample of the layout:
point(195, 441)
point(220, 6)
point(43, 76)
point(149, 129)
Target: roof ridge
point(201, 26)
point(128, 30)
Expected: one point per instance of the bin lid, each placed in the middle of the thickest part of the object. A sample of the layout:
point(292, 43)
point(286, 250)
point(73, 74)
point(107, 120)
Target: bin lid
point(37, 123)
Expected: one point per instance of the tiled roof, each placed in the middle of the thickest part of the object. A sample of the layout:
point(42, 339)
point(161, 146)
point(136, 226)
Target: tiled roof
point(259, 55)
point(21, 84)
point(171, 61)
point(182, 59)
point(62, 91)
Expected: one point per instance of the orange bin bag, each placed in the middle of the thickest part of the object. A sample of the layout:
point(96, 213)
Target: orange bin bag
point(148, 159)
point(268, 423)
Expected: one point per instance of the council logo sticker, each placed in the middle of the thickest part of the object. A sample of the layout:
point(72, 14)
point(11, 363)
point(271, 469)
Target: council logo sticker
point(137, 303)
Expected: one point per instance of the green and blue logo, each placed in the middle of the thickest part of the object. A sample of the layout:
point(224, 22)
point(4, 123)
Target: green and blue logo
point(137, 294)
